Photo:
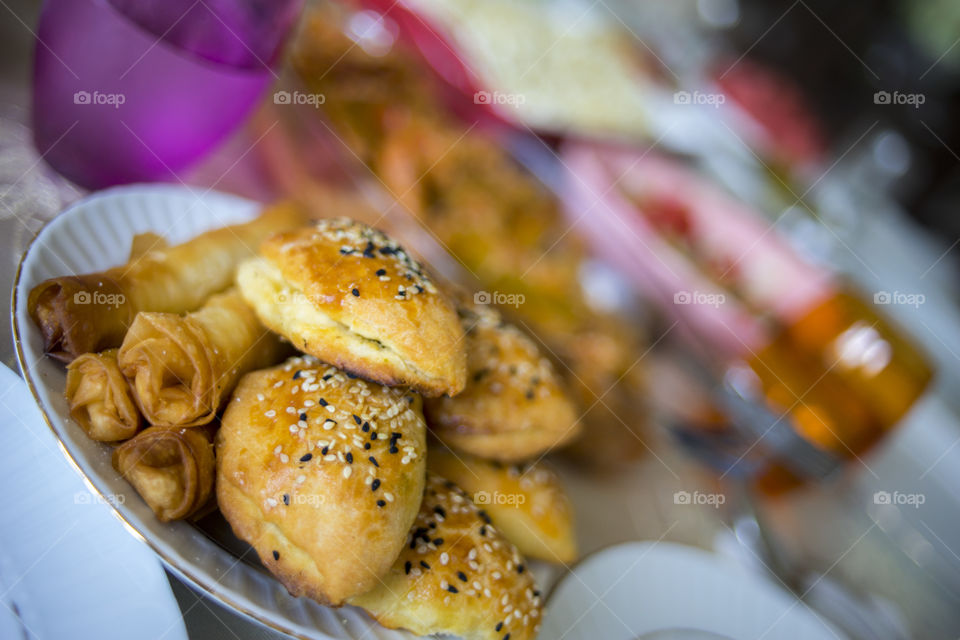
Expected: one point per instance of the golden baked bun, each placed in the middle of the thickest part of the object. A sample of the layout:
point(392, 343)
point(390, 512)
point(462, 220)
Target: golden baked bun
point(514, 406)
point(527, 502)
point(349, 295)
point(456, 575)
point(322, 474)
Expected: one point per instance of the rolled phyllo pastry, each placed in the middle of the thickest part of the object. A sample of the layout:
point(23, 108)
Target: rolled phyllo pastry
point(322, 474)
point(514, 405)
point(351, 296)
point(88, 313)
point(182, 368)
point(100, 399)
point(456, 575)
point(526, 502)
point(171, 469)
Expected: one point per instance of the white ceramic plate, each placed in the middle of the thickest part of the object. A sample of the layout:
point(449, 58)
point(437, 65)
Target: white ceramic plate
point(67, 568)
point(638, 588)
point(92, 235)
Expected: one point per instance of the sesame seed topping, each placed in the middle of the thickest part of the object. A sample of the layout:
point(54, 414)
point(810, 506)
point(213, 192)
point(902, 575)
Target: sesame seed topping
point(347, 471)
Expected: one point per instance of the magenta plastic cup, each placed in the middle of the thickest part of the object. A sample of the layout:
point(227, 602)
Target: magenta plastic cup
point(138, 91)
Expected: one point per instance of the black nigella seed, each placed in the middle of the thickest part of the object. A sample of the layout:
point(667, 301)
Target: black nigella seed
point(357, 419)
point(328, 376)
point(374, 461)
point(407, 566)
point(424, 565)
point(381, 272)
point(366, 445)
point(373, 436)
point(306, 457)
point(438, 541)
point(351, 375)
point(521, 568)
point(506, 637)
point(286, 499)
point(485, 516)
point(375, 484)
point(462, 576)
point(296, 375)
point(356, 292)
point(303, 417)
point(440, 510)
point(349, 457)
point(452, 589)
point(536, 593)
point(366, 427)
point(393, 449)
point(483, 530)
point(345, 251)
point(323, 402)
point(381, 503)
point(325, 450)
point(276, 555)
point(498, 627)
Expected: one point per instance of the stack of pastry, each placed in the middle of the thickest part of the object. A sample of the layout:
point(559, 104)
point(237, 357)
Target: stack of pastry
point(308, 454)
point(489, 213)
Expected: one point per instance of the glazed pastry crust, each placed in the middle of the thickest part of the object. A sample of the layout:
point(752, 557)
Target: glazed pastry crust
point(527, 503)
point(514, 406)
point(456, 575)
point(347, 294)
point(296, 479)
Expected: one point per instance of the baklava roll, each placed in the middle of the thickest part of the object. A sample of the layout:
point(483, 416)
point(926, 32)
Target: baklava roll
point(171, 469)
point(100, 399)
point(88, 313)
point(182, 368)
